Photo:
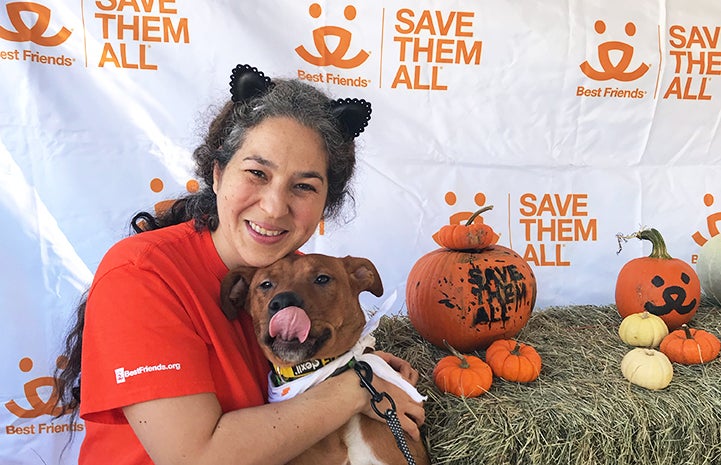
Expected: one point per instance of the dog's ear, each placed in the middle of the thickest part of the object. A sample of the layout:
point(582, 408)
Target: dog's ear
point(234, 289)
point(363, 275)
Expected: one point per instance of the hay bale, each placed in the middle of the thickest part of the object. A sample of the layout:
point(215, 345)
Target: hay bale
point(580, 410)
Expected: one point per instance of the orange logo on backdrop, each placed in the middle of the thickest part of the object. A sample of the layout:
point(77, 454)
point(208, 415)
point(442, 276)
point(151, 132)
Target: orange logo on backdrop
point(323, 56)
point(157, 185)
point(619, 70)
point(38, 406)
point(336, 57)
point(712, 222)
point(34, 33)
point(461, 217)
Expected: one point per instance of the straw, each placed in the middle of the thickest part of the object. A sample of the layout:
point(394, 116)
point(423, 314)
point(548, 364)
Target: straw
point(581, 410)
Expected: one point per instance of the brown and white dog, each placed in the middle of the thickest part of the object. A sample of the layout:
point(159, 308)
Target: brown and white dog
point(306, 315)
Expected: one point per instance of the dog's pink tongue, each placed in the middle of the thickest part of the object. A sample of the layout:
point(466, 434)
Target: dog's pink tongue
point(289, 323)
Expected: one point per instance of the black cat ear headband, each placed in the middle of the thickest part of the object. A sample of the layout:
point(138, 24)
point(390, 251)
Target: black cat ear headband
point(352, 114)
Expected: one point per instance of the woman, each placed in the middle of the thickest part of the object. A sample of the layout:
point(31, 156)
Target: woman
point(166, 378)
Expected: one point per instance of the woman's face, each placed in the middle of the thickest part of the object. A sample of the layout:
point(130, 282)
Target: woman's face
point(272, 193)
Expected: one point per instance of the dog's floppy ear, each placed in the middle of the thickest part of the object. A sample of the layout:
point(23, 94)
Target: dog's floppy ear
point(363, 275)
point(234, 289)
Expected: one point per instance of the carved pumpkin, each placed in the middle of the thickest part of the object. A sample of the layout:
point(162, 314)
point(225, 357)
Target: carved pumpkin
point(462, 375)
point(467, 236)
point(690, 346)
point(642, 330)
point(513, 360)
point(647, 368)
point(470, 297)
point(660, 284)
point(708, 268)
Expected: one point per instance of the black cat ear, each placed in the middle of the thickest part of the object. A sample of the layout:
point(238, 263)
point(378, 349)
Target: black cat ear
point(247, 82)
point(352, 114)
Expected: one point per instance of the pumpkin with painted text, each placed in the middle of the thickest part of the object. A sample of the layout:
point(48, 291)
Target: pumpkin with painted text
point(470, 297)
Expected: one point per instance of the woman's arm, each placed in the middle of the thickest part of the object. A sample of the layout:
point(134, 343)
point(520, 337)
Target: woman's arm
point(193, 430)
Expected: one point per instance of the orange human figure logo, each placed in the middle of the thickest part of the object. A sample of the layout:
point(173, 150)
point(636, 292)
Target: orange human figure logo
point(38, 406)
point(34, 33)
point(712, 222)
point(617, 71)
point(328, 57)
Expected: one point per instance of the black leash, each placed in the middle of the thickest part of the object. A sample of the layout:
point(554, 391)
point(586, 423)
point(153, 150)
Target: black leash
point(365, 373)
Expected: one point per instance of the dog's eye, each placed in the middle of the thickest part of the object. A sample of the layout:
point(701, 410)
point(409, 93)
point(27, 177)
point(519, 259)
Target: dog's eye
point(265, 285)
point(322, 279)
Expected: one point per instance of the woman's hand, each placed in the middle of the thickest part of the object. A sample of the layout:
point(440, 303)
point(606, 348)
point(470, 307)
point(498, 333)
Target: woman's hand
point(405, 369)
point(411, 414)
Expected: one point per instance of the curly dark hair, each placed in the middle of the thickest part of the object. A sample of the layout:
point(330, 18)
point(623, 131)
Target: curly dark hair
point(225, 135)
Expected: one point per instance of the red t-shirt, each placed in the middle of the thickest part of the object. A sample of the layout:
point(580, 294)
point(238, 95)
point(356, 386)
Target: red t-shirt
point(154, 329)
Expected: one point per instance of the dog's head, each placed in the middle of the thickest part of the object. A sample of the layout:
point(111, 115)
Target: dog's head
point(303, 306)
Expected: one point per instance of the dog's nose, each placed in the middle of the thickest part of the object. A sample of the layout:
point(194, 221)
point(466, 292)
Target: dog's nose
point(284, 299)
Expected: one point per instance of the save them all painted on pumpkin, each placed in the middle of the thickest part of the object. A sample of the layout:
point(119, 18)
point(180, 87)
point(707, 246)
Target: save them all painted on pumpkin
point(470, 292)
point(660, 284)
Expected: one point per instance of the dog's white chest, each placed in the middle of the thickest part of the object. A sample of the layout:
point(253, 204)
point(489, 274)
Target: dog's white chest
point(359, 452)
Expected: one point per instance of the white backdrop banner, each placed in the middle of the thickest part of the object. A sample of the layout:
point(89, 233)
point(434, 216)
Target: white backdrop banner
point(575, 119)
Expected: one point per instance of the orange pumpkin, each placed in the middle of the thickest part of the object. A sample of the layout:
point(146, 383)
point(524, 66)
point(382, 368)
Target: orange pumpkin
point(471, 235)
point(513, 360)
point(690, 346)
point(462, 375)
point(660, 284)
point(470, 297)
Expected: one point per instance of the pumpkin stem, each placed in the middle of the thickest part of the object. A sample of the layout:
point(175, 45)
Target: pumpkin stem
point(451, 349)
point(687, 331)
point(659, 245)
point(478, 212)
point(516, 349)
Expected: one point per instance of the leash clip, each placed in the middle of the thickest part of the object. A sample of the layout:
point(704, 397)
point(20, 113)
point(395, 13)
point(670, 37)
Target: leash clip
point(365, 373)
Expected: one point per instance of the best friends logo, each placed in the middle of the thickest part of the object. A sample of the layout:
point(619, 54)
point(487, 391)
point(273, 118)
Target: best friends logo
point(41, 399)
point(34, 33)
point(615, 63)
point(693, 57)
point(422, 42)
point(340, 56)
point(33, 22)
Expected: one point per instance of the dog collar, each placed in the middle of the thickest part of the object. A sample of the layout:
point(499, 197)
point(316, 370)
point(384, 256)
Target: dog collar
point(282, 375)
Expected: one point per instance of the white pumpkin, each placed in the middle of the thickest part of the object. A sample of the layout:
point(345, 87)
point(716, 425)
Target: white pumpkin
point(647, 368)
point(708, 268)
point(643, 330)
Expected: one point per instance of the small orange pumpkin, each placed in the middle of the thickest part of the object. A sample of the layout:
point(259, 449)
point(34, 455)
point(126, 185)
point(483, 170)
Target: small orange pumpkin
point(467, 236)
point(513, 360)
point(690, 346)
point(660, 284)
point(462, 375)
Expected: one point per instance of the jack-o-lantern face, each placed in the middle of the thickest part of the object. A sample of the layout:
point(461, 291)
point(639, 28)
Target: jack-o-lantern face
point(674, 297)
point(662, 285)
